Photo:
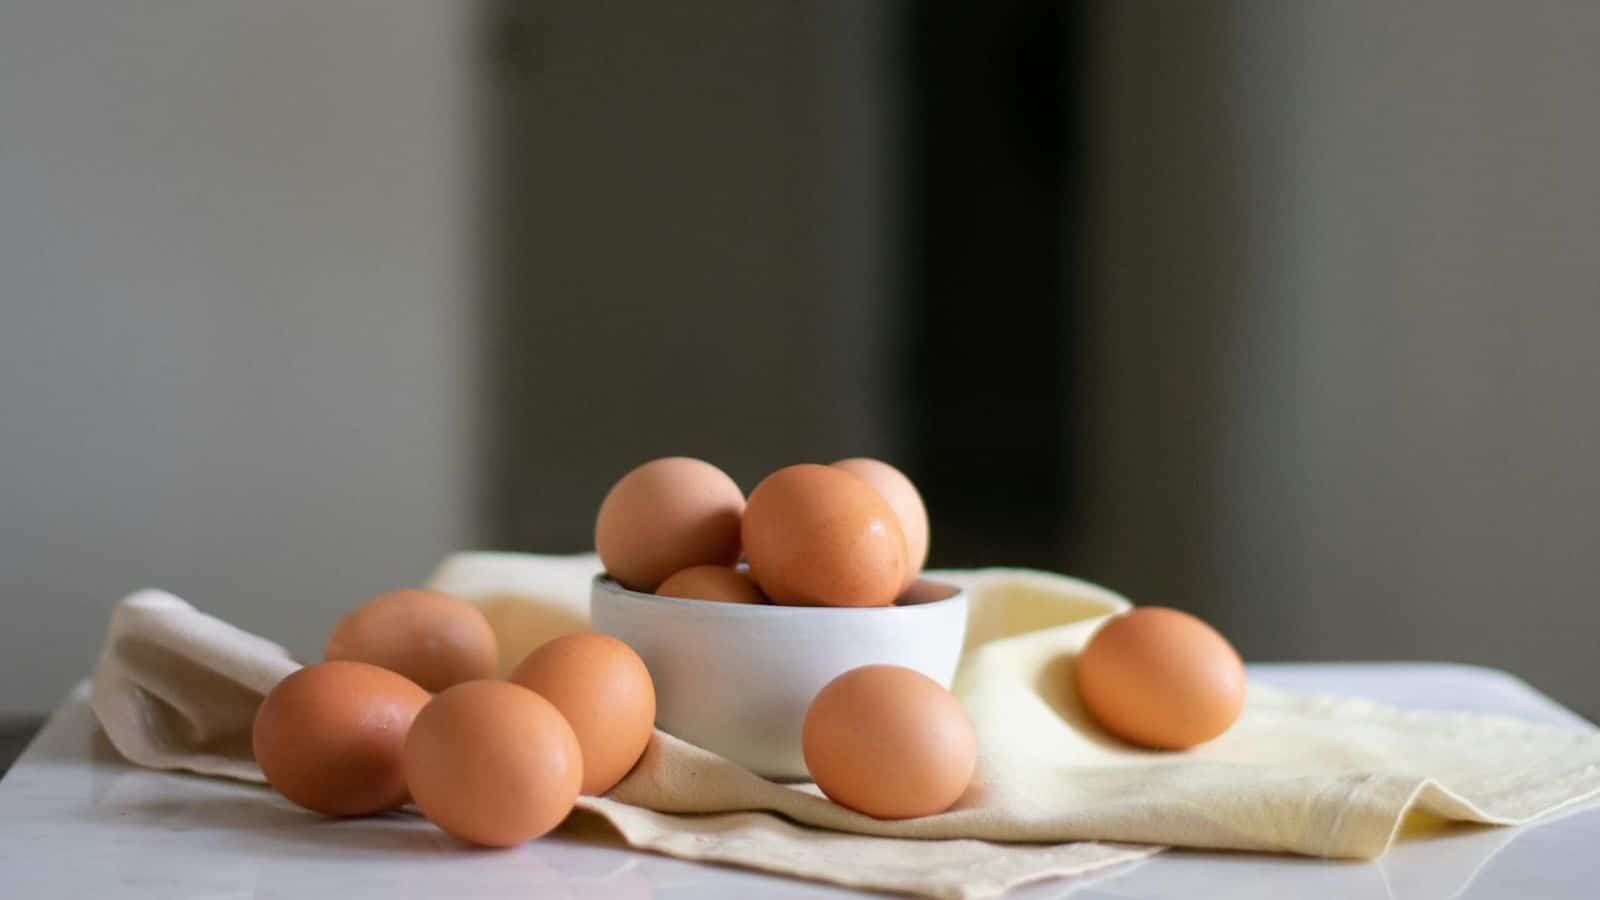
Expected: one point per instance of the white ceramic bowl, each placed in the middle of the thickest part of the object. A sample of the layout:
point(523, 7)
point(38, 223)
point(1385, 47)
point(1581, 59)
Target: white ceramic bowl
point(737, 679)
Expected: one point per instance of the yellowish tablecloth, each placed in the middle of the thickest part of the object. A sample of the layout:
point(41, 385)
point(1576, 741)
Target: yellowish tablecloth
point(1053, 795)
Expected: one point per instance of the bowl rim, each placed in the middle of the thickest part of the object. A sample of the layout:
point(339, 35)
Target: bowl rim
point(605, 583)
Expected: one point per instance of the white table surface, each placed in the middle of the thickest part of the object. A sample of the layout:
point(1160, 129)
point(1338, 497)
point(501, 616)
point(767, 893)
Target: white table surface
point(77, 821)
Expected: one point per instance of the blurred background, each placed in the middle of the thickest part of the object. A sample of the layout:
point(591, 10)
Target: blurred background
point(1285, 314)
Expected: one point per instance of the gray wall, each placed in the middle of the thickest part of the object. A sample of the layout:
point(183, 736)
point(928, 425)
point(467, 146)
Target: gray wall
point(690, 247)
point(1346, 343)
point(297, 297)
point(236, 329)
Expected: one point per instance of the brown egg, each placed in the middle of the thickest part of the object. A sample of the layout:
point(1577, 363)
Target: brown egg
point(432, 638)
point(889, 742)
point(604, 690)
point(1161, 678)
point(723, 583)
point(665, 516)
point(493, 763)
point(902, 496)
point(819, 536)
point(330, 737)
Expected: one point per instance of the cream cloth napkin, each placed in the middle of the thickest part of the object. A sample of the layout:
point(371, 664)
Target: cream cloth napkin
point(1298, 773)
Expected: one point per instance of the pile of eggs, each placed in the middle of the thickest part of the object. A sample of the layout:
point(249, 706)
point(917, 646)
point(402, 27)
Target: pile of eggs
point(851, 534)
point(405, 707)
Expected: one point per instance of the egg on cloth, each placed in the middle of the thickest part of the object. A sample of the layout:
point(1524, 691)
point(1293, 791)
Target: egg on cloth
point(819, 536)
point(665, 516)
point(1161, 678)
point(889, 742)
point(330, 737)
point(493, 763)
point(604, 691)
point(433, 638)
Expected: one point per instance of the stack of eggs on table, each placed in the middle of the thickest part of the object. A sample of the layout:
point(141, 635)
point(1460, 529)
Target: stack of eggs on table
point(406, 706)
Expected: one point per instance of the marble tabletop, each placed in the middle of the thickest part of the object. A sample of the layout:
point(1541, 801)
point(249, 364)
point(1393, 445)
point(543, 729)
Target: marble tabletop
point(78, 821)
